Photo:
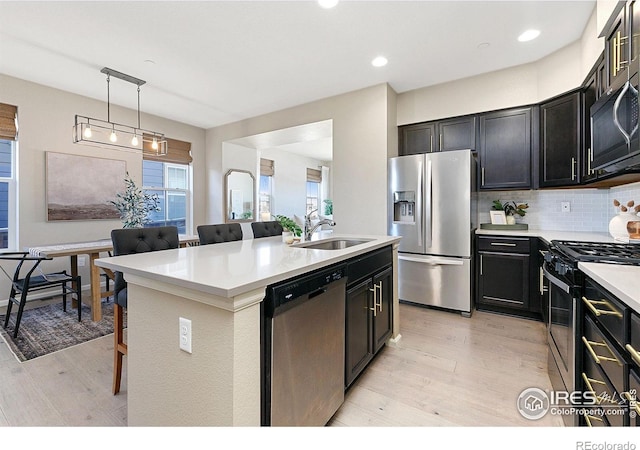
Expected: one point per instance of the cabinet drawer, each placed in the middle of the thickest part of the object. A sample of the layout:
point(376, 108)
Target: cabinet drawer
point(602, 352)
point(607, 311)
point(503, 244)
point(633, 347)
point(609, 400)
point(363, 266)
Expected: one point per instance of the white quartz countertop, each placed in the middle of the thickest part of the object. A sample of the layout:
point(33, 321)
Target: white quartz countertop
point(550, 235)
point(621, 281)
point(234, 268)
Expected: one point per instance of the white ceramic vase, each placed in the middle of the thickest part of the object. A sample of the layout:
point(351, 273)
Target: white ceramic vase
point(618, 225)
point(287, 236)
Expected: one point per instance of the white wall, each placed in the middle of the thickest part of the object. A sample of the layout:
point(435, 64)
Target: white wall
point(526, 84)
point(46, 118)
point(360, 138)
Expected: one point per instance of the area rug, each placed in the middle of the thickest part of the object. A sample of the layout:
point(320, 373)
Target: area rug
point(48, 328)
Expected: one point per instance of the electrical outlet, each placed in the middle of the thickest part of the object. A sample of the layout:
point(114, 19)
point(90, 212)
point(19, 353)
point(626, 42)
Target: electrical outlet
point(185, 334)
point(80, 261)
point(565, 207)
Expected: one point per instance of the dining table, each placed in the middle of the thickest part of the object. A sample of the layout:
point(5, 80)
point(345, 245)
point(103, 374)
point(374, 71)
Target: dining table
point(93, 249)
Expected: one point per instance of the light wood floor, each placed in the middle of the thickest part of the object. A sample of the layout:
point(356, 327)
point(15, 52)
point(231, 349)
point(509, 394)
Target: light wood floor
point(445, 371)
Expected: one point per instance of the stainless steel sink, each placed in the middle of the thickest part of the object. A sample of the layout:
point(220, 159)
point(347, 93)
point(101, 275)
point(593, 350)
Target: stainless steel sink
point(332, 244)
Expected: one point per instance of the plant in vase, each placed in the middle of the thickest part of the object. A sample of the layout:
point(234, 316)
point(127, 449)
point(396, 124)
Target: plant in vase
point(134, 205)
point(290, 228)
point(511, 210)
point(626, 213)
point(328, 207)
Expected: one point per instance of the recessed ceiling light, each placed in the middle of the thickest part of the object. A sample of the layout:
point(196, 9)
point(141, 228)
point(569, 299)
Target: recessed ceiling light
point(483, 45)
point(327, 4)
point(379, 61)
point(529, 35)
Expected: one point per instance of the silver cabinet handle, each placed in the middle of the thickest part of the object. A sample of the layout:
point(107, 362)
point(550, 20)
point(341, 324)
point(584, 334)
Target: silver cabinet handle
point(482, 176)
point(380, 300)
point(589, 159)
point(503, 244)
point(481, 263)
point(375, 299)
point(440, 142)
point(573, 169)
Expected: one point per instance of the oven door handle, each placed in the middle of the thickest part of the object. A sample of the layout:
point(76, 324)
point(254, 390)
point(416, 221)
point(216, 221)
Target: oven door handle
point(564, 286)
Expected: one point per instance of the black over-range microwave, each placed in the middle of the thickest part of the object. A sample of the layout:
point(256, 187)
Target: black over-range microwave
point(614, 129)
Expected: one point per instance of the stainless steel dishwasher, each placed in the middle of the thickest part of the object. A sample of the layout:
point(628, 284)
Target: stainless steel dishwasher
point(302, 358)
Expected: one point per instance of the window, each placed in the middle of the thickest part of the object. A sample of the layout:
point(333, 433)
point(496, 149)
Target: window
point(314, 178)
point(8, 185)
point(170, 182)
point(7, 195)
point(266, 189)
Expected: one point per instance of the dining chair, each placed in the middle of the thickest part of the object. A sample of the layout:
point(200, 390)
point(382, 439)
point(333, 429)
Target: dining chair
point(127, 241)
point(34, 279)
point(266, 229)
point(218, 233)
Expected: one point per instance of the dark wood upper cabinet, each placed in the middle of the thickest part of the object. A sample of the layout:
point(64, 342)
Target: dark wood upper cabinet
point(592, 89)
point(561, 141)
point(616, 52)
point(416, 138)
point(505, 149)
point(456, 133)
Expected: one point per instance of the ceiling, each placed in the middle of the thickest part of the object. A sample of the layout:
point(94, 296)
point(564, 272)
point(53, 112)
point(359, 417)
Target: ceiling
point(209, 63)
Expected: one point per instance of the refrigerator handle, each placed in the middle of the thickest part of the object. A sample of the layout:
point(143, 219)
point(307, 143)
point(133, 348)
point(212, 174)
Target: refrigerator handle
point(418, 211)
point(428, 205)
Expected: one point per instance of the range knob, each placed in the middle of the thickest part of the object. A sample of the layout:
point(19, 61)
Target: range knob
point(561, 268)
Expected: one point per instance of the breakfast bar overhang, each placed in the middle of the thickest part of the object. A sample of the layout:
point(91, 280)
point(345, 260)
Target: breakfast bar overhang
point(218, 288)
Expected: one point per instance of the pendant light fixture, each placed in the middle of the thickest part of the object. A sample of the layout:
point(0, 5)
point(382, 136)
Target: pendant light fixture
point(109, 134)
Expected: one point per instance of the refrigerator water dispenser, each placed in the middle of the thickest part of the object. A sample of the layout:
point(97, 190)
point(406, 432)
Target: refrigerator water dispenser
point(404, 206)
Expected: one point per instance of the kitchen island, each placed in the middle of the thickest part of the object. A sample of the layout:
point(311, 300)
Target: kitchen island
point(218, 288)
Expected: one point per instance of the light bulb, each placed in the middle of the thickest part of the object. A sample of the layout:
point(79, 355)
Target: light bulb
point(87, 131)
point(327, 4)
point(154, 144)
point(134, 140)
point(113, 137)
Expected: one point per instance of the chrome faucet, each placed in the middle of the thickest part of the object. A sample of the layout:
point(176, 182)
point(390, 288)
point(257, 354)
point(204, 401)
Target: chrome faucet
point(309, 230)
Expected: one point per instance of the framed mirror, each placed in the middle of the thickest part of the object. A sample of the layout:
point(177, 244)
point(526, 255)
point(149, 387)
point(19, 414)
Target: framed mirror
point(240, 196)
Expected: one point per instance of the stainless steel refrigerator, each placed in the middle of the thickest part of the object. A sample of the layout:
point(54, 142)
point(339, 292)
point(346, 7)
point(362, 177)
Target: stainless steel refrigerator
point(433, 206)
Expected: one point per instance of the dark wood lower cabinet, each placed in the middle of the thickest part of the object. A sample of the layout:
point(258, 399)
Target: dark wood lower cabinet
point(369, 315)
point(507, 276)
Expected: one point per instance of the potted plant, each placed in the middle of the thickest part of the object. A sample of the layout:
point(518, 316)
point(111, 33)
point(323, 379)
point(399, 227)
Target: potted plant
point(290, 228)
point(511, 210)
point(328, 207)
point(134, 205)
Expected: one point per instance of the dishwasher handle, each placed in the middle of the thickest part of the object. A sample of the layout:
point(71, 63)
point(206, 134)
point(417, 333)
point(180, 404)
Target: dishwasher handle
point(317, 292)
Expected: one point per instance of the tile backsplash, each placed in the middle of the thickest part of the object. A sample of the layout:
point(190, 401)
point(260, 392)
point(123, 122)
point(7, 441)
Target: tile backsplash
point(590, 209)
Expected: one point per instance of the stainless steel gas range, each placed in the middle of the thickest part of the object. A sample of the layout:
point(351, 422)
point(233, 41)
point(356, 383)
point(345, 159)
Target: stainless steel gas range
point(566, 283)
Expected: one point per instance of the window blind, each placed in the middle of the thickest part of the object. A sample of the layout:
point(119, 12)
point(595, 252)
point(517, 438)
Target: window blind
point(8, 128)
point(267, 168)
point(178, 152)
point(314, 175)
